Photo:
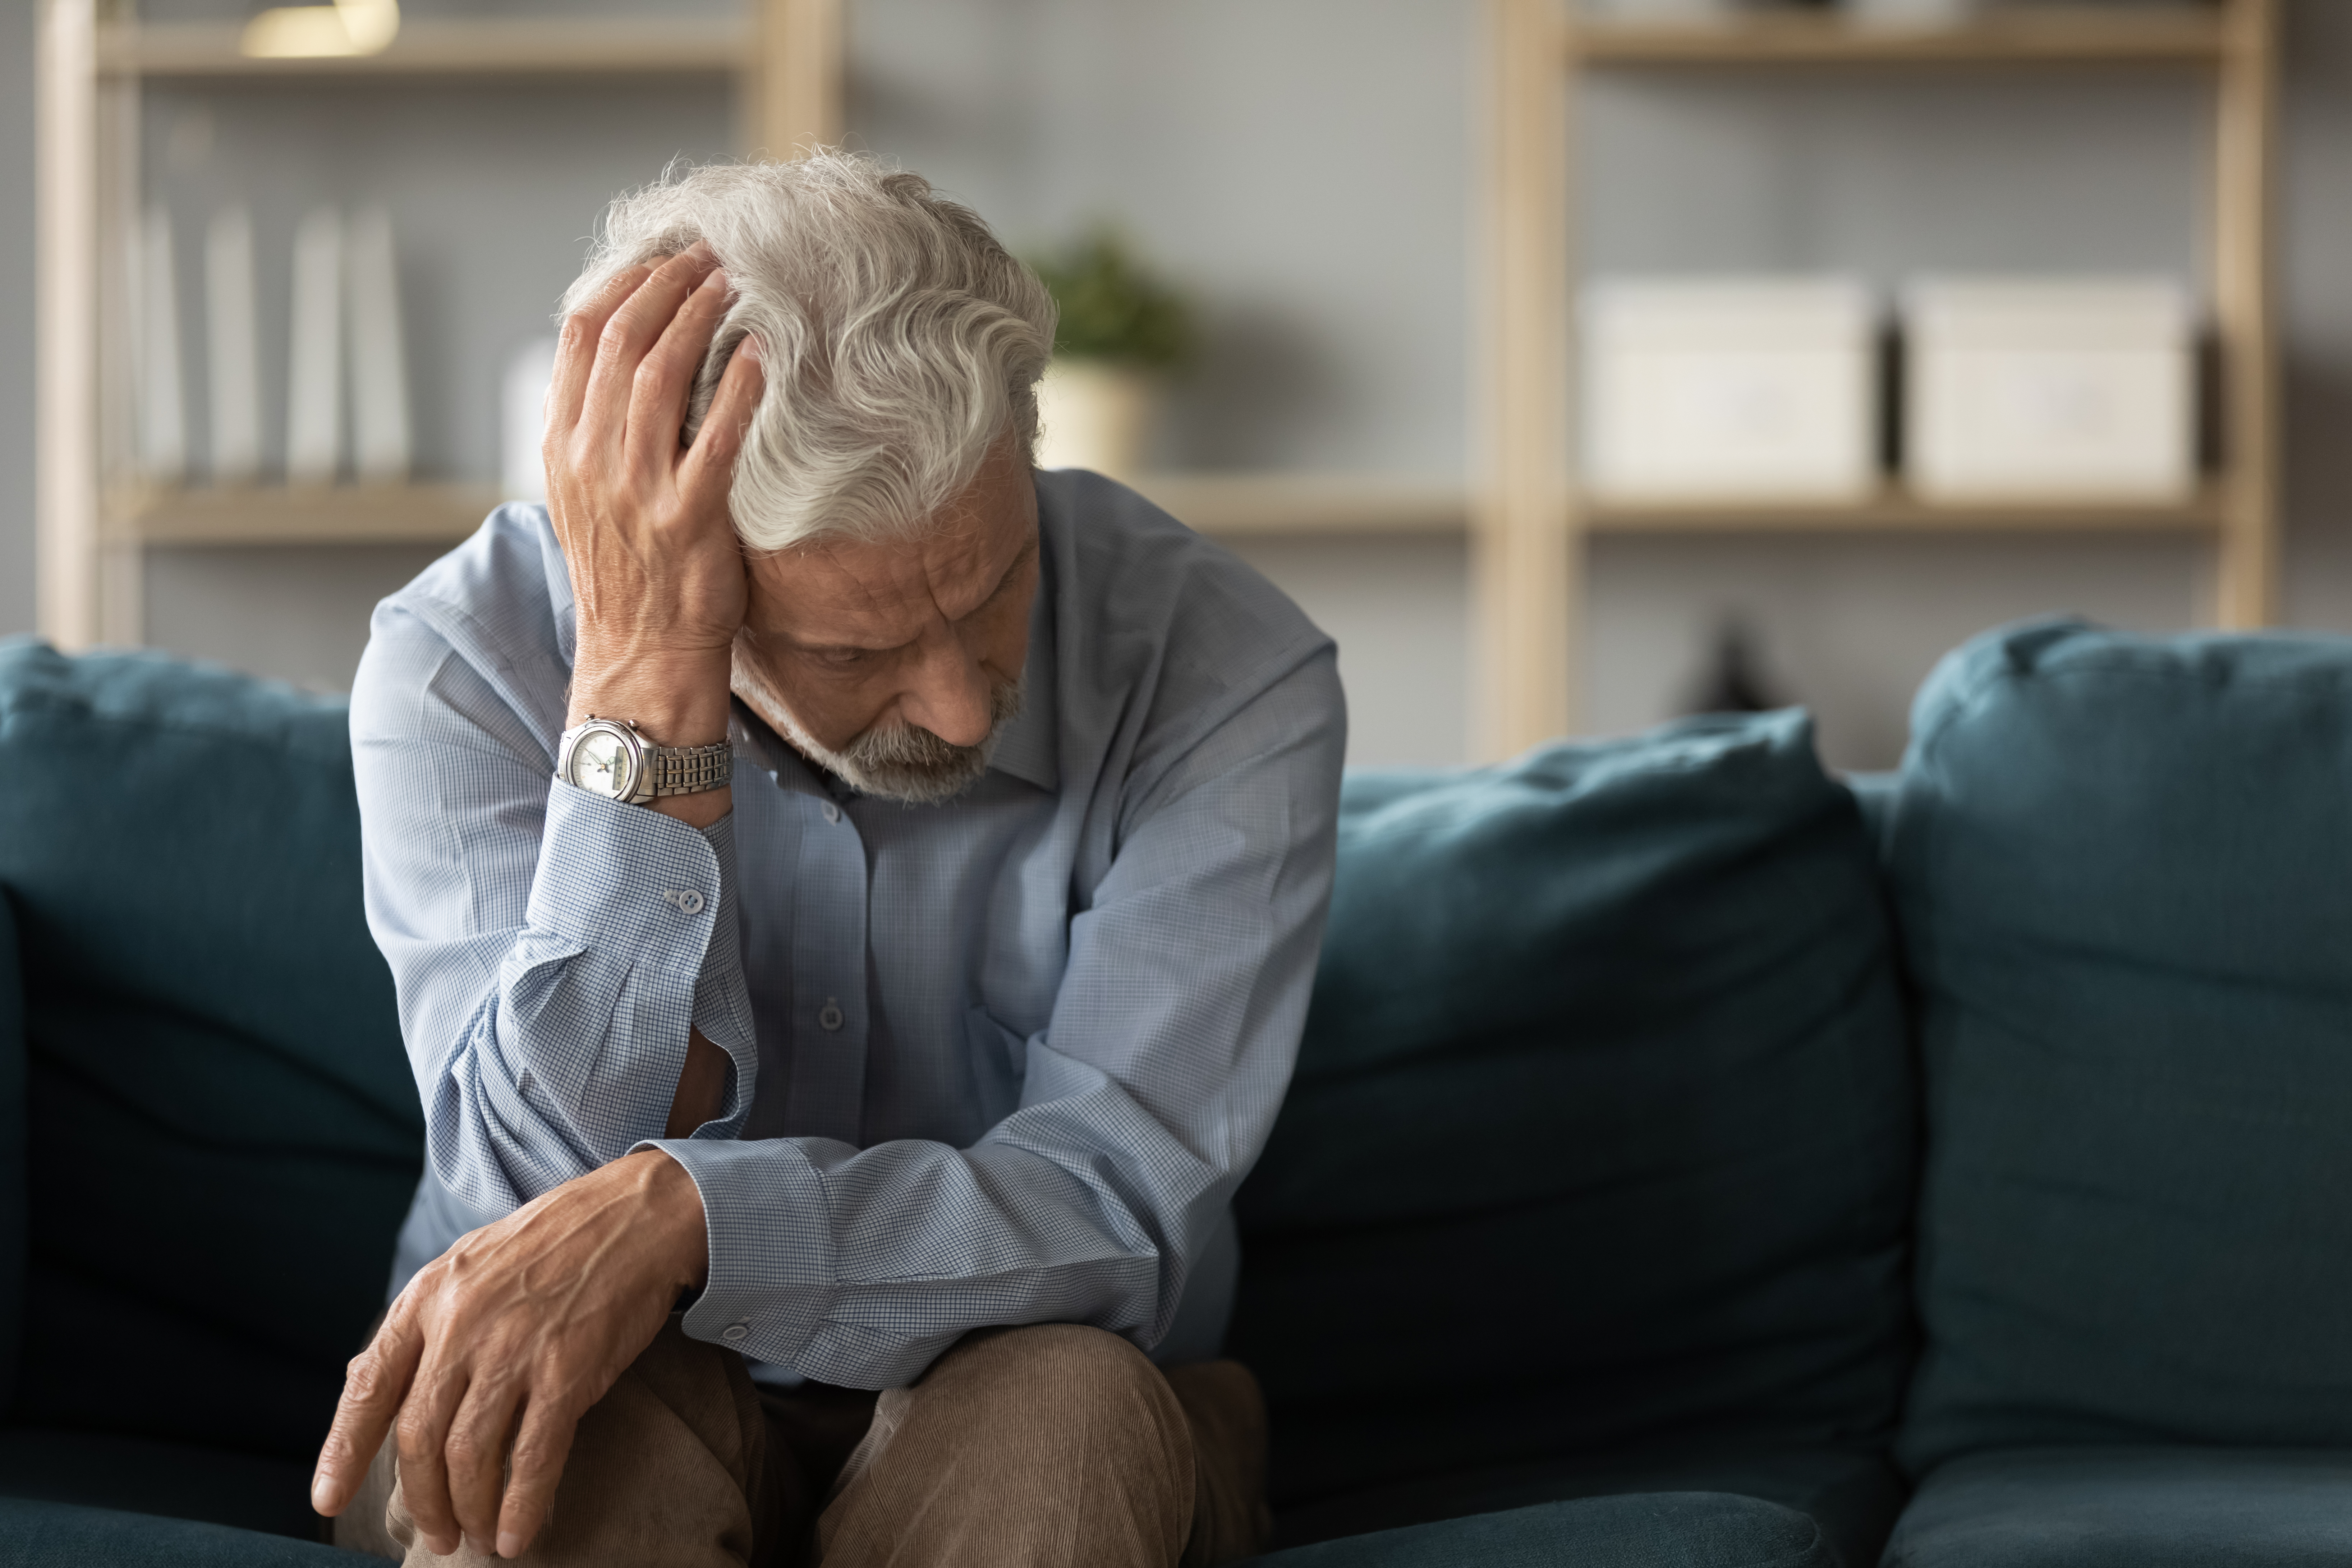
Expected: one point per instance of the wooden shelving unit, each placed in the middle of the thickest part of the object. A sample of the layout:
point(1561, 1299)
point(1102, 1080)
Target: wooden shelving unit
point(1529, 521)
point(1896, 512)
point(468, 48)
point(783, 58)
point(1228, 505)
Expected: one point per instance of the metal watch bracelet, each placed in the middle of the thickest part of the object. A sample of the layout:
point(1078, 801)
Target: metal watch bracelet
point(609, 757)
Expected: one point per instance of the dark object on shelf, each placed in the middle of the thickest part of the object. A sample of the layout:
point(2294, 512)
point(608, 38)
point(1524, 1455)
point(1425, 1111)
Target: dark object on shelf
point(1734, 683)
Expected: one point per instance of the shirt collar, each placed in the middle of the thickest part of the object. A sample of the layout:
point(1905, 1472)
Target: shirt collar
point(1030, 747)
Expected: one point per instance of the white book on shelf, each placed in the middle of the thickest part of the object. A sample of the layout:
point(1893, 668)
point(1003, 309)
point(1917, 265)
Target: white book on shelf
point(162, 418)
point(314, 378)
point(522, 420)
point(380, 439)
point(233, 354)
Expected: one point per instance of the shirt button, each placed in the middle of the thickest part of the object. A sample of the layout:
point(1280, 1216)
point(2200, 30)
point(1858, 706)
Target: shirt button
point(733, 1332)
point(832, 812)
point(686, 899)
point(830, 1019)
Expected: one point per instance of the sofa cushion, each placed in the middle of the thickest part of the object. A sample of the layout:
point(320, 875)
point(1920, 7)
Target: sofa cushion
point(2123, 875)
point(146, 1475)
point(61, 1535)
point(14, 1160)
point(224, 1134)
point(1602, 1125)
point(2131, 1507)
point(1851, 1495)
point(1663, 1529)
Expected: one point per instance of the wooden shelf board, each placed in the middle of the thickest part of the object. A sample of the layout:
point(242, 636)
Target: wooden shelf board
point(529, 47)
point(1240, 505)
point(264, 514)
point(1223, 505)
point(1897, 513)
point(2084, 36)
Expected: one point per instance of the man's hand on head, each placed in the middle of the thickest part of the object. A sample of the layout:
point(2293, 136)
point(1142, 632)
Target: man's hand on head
point(499, 1347)
point(657, 575)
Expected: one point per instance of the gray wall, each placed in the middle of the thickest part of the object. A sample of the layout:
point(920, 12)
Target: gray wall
point(1305, 167)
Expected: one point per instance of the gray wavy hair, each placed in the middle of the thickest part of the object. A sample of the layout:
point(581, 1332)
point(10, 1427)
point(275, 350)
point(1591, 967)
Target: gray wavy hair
point(900, 340)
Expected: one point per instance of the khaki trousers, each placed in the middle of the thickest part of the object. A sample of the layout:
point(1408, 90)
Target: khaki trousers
point(1029, 1448)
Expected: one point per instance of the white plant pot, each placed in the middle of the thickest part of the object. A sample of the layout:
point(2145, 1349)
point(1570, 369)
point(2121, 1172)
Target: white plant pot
point(1094, 414)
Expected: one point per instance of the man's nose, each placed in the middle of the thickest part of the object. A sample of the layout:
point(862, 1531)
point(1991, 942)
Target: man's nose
point(949, 694)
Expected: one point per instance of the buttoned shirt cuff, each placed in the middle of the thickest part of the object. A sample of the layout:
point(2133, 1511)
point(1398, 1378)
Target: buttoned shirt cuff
point(769, 1221)
point(646, 905)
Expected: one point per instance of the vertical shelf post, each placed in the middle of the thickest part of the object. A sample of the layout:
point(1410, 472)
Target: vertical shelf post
point(1525, 554)
point(2245, 136)
point(64, 484)
point(797, 83)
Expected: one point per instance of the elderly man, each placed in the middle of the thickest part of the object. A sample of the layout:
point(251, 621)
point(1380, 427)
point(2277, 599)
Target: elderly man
point(854, 899)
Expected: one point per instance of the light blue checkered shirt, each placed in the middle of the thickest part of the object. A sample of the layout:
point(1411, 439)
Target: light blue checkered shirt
point(1003, 1060)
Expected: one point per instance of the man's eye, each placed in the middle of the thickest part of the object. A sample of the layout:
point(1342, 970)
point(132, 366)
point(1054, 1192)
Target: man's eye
point(844, 658)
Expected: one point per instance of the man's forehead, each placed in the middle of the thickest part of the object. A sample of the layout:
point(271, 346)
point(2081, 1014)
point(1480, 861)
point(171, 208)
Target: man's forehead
point(839, 589)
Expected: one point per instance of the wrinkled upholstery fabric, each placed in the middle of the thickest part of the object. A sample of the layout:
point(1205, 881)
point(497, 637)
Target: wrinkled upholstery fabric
point(2131, 1507)
point(223, 1134)
point(1852, 1495)
point(1660, 1530)
point(62, 1535)
point(2123, 871)
point(1602, 1127)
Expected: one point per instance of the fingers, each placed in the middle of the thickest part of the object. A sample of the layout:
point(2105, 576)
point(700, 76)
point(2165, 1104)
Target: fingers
point(475, 1453)
point(541, 1444)
point(628, 337)
point(704, 478)
point(422, 1433)
point(665, 379)
point(373, 1386)
point(575, 353)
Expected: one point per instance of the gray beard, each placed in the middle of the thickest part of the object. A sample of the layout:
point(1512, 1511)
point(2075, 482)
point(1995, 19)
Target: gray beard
point(898, 761)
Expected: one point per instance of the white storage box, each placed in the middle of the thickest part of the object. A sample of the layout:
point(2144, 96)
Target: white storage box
point(1710, 389)
point(2069, 389)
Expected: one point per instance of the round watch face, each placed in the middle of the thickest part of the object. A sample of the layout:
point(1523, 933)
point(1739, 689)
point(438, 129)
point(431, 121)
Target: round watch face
point(601, 763)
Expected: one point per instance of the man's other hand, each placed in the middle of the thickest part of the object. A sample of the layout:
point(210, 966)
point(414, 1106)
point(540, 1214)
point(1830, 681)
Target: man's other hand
point(502, 1343)
point(658, 574)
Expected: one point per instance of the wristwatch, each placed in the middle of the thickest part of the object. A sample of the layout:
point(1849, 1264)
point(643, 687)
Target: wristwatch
point(608, 757)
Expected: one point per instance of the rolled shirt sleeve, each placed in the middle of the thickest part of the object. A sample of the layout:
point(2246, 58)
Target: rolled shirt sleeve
point(553, 949)
point(1142, 1106)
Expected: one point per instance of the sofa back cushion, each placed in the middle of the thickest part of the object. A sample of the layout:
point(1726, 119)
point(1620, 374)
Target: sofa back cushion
point(224, 1132)
point(14, 1241)
point(2123, 869)
point(1602, 1126)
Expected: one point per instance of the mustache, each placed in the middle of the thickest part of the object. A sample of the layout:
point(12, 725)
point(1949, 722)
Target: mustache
point(909, 763)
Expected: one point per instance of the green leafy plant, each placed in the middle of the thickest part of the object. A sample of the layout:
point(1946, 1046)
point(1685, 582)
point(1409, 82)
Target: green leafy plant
point(1112, 307)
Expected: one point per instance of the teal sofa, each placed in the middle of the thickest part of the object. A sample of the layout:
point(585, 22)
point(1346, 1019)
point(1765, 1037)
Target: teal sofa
point(1694, 1161)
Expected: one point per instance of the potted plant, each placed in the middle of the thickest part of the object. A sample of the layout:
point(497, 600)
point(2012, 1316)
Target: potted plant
point(1121, 332)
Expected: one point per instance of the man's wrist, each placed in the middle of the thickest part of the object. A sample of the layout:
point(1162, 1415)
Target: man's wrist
point(674, 700)
point(675, 1203)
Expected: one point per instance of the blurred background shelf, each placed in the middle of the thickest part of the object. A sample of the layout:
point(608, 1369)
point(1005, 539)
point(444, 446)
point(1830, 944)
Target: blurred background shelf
point(434, 47)
point(1276, 504)
point(284, 514)
point(2084, 35)
point(1235, 505)
point(1896, 512)
point(1532, 617)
